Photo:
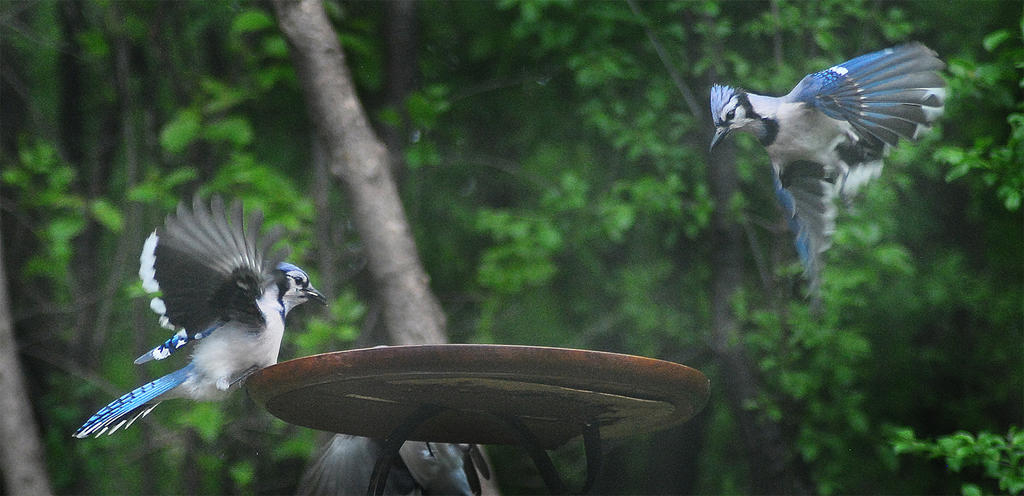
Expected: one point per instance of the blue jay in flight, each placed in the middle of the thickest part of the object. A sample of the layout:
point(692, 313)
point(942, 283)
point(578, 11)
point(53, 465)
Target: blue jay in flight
point(221, 286)
point(828, 136)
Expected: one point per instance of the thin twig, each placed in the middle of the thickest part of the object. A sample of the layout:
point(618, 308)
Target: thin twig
point(681, 85)
point(755, 249)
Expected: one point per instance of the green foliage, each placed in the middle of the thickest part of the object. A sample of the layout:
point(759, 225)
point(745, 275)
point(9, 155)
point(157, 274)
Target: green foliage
point(206, 419)
point(242, 474)
point(43, 185)
point(337, 330)
point(107, 215)
point(1001, 457)
point(162, 187)
point(180, 131)
point(599, 225)
point(995, 155)
point(523, 258)
point(423, 108)
point(555, 177)
point(154, 137)
point(249, 21)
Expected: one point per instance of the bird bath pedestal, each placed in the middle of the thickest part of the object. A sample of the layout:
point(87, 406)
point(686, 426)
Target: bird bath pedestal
point(536, 397)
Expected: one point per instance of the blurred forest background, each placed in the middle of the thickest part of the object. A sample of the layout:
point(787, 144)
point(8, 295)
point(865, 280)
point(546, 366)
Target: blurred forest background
point(552, 160)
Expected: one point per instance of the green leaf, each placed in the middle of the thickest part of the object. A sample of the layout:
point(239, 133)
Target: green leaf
point(297, 444)
point(970, 490)
point(242, 473)
point(251, 20)
point(107, 215)
point(180, 131)
point(390, 116)
point(206, 418)
point(275, 47)
point(222, 96)
point(425, 107)
point(234, 130)
point(993, 40)
point(422, 153)
point(62, 229)
point(522, 256)
point(16, 177)
point(340, 327)
point(94, 43)
point(617, 218)
point(161, 187)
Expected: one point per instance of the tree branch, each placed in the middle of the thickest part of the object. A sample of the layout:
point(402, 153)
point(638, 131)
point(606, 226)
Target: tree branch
point(684, 89)
point(361, 161)
point(357, 157)
point(774, 468)
point(22, 461)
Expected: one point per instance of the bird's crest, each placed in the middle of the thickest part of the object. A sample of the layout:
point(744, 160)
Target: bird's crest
point(720, 96)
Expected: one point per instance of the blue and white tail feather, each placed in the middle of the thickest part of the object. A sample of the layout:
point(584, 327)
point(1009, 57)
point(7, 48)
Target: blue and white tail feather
point(124, 411)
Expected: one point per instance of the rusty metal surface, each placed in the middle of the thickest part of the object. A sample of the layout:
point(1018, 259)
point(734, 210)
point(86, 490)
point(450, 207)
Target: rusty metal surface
point(553, 391)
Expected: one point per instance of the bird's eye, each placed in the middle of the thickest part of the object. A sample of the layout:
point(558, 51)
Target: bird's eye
point(731, 114)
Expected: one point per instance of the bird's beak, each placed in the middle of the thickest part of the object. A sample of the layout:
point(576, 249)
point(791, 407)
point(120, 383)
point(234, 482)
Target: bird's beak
point(312, 294)
point(720, 132)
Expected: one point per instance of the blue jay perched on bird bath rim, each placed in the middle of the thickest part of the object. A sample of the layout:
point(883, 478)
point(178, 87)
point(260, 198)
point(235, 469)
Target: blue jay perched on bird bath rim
point(827, 137)
point(221, 286)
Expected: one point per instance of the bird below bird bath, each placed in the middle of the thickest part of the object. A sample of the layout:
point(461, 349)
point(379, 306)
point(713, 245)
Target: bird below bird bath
point(537, 397)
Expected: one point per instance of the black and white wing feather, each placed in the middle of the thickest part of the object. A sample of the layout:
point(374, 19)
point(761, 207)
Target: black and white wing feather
point(210, 266)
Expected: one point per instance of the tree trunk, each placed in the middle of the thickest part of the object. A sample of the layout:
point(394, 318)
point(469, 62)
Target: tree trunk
point(769, 454)
point(361, 161)
point(22, 461)
point(357, 157)
point(327, 249)
point(403, 69)
point(84, 275)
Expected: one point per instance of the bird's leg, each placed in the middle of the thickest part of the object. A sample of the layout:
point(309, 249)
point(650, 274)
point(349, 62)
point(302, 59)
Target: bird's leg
point(241, 377)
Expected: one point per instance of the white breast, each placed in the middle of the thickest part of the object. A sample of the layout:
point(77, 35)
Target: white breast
point(807, 134)
point(230, 351)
